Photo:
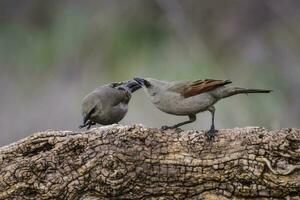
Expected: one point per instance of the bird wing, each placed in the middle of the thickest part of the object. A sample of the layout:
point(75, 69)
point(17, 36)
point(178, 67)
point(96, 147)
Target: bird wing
point(192, 88)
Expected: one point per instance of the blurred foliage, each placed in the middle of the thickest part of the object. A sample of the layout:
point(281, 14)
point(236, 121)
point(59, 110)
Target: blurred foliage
point(52, 53)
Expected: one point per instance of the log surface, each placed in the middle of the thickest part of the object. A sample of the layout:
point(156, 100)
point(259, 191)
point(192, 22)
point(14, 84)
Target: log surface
point(134, 162)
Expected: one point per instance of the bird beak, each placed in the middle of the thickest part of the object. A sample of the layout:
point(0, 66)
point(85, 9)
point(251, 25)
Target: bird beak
point(133, 86)
point(139, 80)
point(85, 119)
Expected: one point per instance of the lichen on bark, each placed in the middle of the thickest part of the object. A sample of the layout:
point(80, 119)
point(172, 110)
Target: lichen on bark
point(135, 162)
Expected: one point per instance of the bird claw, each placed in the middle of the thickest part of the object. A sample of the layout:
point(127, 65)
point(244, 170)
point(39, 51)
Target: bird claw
point(166, 128)
point(87, 125)
point(211, 134)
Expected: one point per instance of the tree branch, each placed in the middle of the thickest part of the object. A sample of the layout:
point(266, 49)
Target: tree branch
point(134, 162)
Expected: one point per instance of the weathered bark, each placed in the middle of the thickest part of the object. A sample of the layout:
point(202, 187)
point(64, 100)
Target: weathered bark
point(134, 162)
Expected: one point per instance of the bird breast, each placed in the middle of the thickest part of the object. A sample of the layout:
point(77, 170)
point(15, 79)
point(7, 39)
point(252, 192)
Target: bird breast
point(113, 114)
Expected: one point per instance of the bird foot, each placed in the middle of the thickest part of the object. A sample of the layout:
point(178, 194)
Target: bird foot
point(163, 128)
point(211, 134)
point(87, 125)
point(166, 127)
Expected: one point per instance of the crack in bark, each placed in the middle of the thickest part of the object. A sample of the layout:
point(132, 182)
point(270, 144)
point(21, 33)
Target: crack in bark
point(134, 162)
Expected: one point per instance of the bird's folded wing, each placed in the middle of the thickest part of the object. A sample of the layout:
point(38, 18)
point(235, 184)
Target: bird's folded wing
point(192, 88)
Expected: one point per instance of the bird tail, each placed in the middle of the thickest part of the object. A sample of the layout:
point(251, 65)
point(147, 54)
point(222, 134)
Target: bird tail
point(233, 91)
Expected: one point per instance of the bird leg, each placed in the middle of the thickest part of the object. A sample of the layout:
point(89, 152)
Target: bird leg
point(212, 130)
point(192, 119)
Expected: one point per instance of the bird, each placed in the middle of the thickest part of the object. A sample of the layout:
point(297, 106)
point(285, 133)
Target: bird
point(188, 98)
point(107, 104)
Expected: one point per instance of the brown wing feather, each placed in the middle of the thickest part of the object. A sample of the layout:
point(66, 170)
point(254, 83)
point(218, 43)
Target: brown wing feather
point(199, 86)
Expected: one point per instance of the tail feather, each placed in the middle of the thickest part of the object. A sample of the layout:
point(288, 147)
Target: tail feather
point(233, 91)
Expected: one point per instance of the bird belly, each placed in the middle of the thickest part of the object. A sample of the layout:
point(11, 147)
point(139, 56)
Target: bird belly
point(179, 105)
point(113, 115)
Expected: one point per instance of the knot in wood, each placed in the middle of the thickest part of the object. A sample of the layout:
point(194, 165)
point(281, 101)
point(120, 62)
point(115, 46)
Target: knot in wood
point(113, 169)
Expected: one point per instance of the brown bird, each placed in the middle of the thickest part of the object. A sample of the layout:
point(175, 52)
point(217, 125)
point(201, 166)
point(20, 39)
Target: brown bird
point(190, 97)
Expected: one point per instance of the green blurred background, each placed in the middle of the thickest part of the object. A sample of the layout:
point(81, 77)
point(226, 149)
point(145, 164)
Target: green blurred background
point(52, 53)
